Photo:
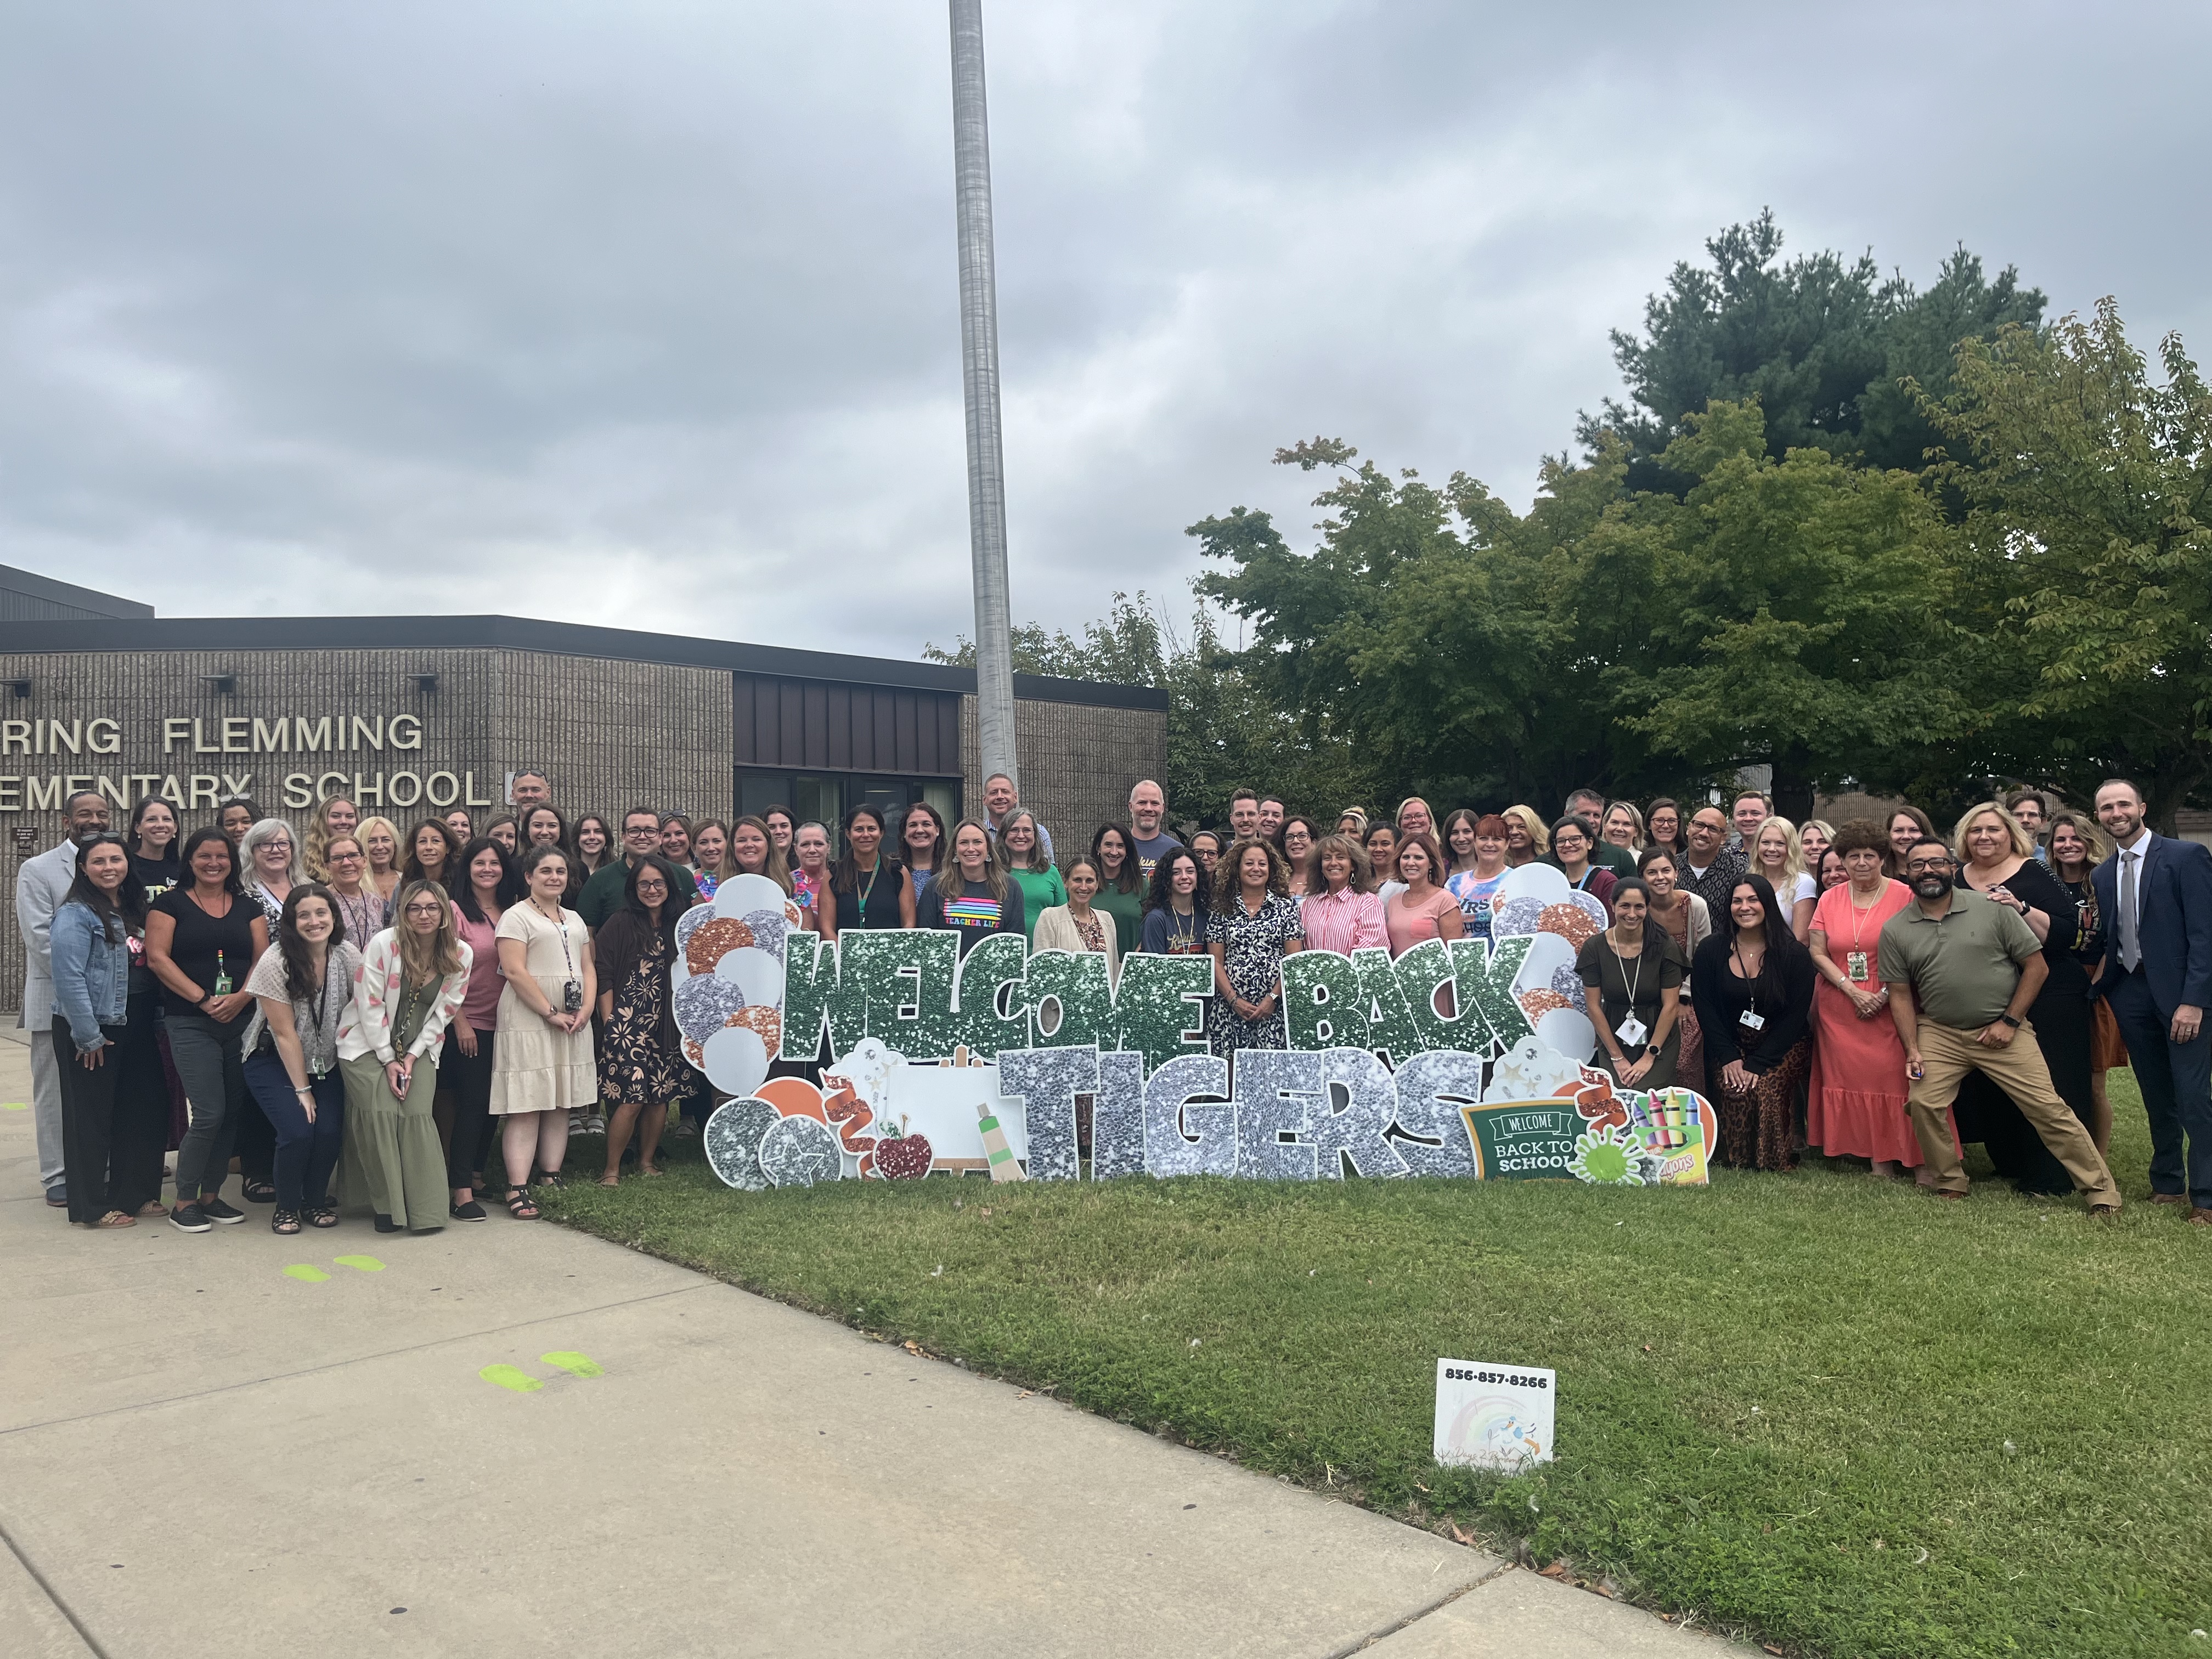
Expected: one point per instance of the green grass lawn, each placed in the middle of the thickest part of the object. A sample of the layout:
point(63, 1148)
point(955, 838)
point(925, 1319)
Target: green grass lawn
point(1818, 1408)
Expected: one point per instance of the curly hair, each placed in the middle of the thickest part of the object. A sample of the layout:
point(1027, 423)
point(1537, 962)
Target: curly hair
point(1279, 872)
point(1160, 895)
point(1860, 835)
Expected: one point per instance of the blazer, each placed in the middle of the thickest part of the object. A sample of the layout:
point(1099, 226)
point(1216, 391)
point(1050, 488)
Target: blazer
point(2173, 903)
point(41, 884)
point(1055, 931)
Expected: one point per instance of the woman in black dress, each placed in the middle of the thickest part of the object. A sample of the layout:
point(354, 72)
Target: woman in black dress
point(1754, 1002)
point(865, 889)
point(1997, 858)
point(2078, 846)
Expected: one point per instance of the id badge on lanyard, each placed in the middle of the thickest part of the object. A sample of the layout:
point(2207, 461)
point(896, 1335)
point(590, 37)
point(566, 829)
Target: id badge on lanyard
point(1632, 1031)
point(1855, 966)
point(1750, 1021)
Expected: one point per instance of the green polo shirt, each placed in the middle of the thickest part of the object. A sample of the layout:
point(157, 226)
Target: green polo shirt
point(1964, 965)
point(603, 894)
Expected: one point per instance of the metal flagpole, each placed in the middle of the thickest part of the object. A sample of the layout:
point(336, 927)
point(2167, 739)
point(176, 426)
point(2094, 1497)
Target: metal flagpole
point(979, 373)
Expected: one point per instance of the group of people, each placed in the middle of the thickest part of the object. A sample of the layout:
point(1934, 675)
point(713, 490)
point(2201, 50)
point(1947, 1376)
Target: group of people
point(1857, 991)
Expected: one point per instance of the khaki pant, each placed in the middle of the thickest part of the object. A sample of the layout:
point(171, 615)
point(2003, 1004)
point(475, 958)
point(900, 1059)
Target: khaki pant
point(1947, 1055)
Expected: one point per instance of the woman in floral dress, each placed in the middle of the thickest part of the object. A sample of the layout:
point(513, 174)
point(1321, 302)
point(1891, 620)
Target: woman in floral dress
point(641, 1068)
point(1249, 931)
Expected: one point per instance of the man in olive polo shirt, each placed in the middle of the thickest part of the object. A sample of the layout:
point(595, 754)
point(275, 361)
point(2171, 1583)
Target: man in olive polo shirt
point(1962, 969)
point(603, 894)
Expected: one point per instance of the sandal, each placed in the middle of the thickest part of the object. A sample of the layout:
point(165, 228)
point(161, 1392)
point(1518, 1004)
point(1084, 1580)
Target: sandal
point(284, 1221)
point(519, 1205)
point(323, 1215)
point(115, 1218)
point(258, 1192)
point(548, 1178)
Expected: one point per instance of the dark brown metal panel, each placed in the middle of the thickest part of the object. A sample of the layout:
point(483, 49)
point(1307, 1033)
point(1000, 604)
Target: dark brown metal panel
point(744, 749)
point(791, 726)
point(889, 758)
point(837, 734)
point(906, 732)
point(948, 735)
point(815, 749)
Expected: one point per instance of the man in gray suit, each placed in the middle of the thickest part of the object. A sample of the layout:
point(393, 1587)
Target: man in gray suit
point(41, 884)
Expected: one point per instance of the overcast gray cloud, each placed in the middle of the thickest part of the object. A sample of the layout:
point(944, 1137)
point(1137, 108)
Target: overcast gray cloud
point(646, 314)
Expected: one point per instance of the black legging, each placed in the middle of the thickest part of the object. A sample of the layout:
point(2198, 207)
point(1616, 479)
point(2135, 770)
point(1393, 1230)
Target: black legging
point(470, 1079)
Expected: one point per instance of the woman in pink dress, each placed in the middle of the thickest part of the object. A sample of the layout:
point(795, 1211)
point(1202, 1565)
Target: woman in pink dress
point(1856, 1105)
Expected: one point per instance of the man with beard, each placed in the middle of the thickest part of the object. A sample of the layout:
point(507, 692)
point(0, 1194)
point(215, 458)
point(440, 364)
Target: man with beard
point(2155, 894)
point(1961, 969)
point(41, 884)
point(1709, 869)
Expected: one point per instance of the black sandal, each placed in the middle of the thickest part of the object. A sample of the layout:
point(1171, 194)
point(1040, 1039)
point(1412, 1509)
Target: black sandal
point(284, 1221)
point(548, 1178)
point(323, 1215)
point(258, 1192)
point(519, 1205)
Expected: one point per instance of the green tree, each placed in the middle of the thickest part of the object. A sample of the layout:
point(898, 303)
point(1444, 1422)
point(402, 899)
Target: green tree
point(1821, 343)
point(2089, 493)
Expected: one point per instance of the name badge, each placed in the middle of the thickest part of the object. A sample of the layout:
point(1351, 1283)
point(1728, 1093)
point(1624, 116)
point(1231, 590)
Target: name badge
point(1751, 1021)
point(1632, 1031)
point(1854, 965)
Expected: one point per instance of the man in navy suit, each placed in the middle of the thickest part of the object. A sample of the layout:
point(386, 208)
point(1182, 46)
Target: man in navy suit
point(2156, 894)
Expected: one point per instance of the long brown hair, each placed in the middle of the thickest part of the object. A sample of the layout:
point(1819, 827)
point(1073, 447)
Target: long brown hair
point(776, 870)
point(424, 958)
point(994, 875)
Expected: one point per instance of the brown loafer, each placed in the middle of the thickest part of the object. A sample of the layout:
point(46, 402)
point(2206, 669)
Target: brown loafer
point(2169, 1198)
point(2200, 1218)
point(1937, 1192)
point(2103, 1213)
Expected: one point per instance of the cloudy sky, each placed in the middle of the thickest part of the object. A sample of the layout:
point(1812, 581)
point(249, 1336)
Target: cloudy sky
point(644, 313)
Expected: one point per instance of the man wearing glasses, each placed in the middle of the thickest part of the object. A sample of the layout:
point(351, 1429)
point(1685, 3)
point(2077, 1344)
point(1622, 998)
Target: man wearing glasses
point(641, 838)
point(1961, 970)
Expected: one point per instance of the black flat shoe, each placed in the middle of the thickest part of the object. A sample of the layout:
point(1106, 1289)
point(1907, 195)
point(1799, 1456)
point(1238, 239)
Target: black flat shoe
point(258, 1192)
point(470, 1211)
point(384, 1224)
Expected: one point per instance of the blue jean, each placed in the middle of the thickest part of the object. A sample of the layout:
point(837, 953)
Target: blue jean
point(2176, 1080)
point(307, 1152)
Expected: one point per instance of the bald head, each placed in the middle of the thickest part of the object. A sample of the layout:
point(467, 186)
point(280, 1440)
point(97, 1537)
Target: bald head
point(1148, 804)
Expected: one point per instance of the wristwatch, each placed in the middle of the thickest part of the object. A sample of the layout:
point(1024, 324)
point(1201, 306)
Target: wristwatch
point(2010, 1020)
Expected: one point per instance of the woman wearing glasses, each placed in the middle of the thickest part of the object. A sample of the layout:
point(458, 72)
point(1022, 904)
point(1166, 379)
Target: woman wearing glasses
point(413, 976)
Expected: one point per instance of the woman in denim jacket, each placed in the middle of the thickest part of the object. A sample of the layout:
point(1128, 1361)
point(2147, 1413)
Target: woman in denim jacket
point(115, 1103)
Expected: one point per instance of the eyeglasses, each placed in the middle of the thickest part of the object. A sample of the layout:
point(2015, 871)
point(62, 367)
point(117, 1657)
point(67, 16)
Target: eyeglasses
point(343, 858)
point(275, 845)
point(432, 909)
point(1924, 866)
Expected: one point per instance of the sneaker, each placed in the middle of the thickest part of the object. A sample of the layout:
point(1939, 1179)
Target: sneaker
point(190, 1219)
point(216, 1210)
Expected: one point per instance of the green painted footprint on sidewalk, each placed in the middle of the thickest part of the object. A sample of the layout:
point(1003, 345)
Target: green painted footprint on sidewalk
point(305, 1273)
point(367, 1264)
point(521, 1382)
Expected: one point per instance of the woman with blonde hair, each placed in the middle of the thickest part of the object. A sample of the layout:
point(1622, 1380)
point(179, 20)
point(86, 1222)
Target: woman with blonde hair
point(1815, 837)
point(1777, 854)
point(2078, 844)
point(1623, 827)
point(1527, 837)
point(334, 817)
point(973, 896)
point(412, 979)
point(380, 844)
point(1997, 858)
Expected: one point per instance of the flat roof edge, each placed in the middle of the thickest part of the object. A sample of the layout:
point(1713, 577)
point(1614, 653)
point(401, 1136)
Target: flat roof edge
point(149, 633)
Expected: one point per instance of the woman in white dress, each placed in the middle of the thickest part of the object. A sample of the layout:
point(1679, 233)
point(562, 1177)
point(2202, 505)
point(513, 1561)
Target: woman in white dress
point(542, 1061)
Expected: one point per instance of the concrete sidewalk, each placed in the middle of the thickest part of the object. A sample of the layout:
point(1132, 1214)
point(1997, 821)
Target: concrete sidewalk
point(198, 1451)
